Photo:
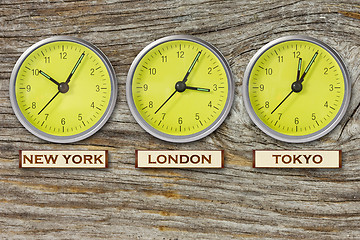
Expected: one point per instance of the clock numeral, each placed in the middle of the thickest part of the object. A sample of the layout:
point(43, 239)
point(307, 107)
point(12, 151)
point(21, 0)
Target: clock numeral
point(326, 104)
point(209, 70)
point(164, 58)
point(163, 117)
point(268, 71)
point(267, 104)
point(180, 120)
point(180, 54)
point(92, 105)
point(151, 104)
point(281, 58)
point(210, 104)
point(63, 121)
point(296, 54)
point(97, 88)
point(262, 87)
point(280, 114)
point(33, 105)
point(146, 87)
point(80, 118)
point(296, 120)
point(197, 116)
point(331, 87)
point(35, 72)
point(92, 71)
point(313, 116)
point(215, 87)
point(152, 71)
point(46, 116)
point(63, 55)
point(326, 71)
point(47, 59)
point(28, 88)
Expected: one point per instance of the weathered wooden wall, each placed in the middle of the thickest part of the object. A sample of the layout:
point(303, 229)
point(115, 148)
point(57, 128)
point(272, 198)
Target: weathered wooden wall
point(125, 203)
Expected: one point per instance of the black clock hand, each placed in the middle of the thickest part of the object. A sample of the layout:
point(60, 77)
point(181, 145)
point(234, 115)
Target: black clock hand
point(198, 89)
point(186, 87)
point(75, 67)
point(49, 102)
point(166, 101)
point(297, 83)
point(299, 70)
point(308, 67)
point(181, 86)
point(191, 67)
point(48, 77)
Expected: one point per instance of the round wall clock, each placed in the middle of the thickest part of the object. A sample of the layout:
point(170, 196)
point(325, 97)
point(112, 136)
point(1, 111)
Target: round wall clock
point(63, 89)
point(296, 89)
point(180, 88)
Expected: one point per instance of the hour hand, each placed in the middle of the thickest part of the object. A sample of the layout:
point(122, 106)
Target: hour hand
point(198, 89)
point(48, 77)
point(297, 85)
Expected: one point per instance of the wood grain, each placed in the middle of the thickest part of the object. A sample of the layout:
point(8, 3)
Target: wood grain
point(237, 202)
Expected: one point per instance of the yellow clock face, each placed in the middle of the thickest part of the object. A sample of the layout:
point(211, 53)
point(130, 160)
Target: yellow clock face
point(63, 89)
point(181, 89)
point(297, 89)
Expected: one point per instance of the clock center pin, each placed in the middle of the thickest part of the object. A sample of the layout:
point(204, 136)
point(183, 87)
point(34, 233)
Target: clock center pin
point(180, 86)
point(296, 87)
point(63, 87)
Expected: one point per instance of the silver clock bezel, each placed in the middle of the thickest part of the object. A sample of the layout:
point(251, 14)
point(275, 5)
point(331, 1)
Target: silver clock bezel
point(289, 138)
point(185, 138)
point(79, 136)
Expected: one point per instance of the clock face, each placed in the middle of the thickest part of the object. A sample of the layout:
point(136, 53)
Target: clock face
point(63, 89)
point(296, 89)
point(180, 89)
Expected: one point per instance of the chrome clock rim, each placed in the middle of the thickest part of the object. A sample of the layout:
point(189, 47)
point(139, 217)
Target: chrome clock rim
point(185, 138)
point(72, 138)
point(304, 138)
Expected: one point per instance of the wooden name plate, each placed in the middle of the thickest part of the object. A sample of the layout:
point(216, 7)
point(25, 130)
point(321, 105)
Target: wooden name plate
point(297, 159)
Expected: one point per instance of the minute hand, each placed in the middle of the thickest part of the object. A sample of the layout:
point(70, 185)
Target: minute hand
point(191, 67)
point(308, 67)
point(75, 67)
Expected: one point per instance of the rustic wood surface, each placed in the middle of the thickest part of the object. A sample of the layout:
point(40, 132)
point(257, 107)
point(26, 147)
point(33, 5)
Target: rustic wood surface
point(232, 203)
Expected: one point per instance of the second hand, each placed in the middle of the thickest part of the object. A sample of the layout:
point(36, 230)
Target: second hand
point(49, 102)
point(297, 80)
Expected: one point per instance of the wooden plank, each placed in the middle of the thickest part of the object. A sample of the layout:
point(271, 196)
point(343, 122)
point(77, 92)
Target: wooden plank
point(127, 203)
